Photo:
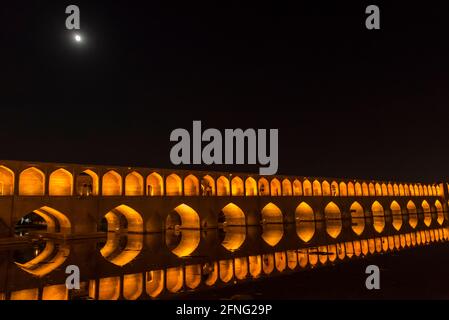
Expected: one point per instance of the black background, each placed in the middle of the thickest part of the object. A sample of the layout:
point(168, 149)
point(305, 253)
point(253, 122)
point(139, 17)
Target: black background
point(348, 102)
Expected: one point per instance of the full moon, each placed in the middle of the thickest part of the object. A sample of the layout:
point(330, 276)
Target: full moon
point(78, 38)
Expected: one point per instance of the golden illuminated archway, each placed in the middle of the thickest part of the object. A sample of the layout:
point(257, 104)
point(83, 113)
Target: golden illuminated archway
point(351, 190)
point(222, 186)
point(112, 184)
point(173, 186)
point(250, 187)
point(335, 190)
point(237, 186)
point(154, 282)
point(55, 220)
point(32, 182)
point(395, 190)
point(427, 214)
point(60, 183)
point(396, 214)
point(332, 215)
point(316, 188)
point(271, 214)
point(390, 191)
point(191, 186)
point(208, 186)
point(365, 190)
point(307, 188)
point(155, 185)
point(264, 187)
point(357, 218)
point(401, 190)
point(189, 217)
point(384, 190)
point(440, 212)
point(233, 215)
point(305, 222)
point(275, 187)
point(286, 188)
point(134, 184)
point(132, 221)
point(343, 190)
point(6, 181)
point(297, 188)
point(412, 214)
point(358, 189)
point(326, 188)
point(378, 216)
point(87, 183)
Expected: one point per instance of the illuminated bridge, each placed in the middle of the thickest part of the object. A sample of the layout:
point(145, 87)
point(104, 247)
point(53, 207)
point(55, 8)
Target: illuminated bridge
point(77, 200)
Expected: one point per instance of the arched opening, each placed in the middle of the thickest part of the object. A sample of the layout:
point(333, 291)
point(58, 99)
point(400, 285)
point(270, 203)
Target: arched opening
point(332, 217)
point(222, 186)
point(307, 188)
point(378, 216)
point(406, 190)
point(425, 192)
point(357, 218)
point(412, 214)
point(297, 188)
point(427, 214)
point(429, 190)
point(208, 186)
point(134, 184)
point(191, 186)
point(343, 190)
point(305, 222)
point(237, 186)
point(112, 184)
point(316, 188)
point(155, 185)
point(384, 189)
point(351, 191)
point(416, 190)
point(122, 218)
point(232, 215)
point(6, 181)
point(264, 187)
point(183, 217)
point(173, 185)
point(434, 191)
point(358, 190)
point(401, 190)
point(280, 260)
point(372, 189)
point(154, 282)
point(396, 215)
point(60, 183)
point(32, 182)
point(411, 190)
point(440, 212)
point(420, 190)
point(271, 214)
point(275, 187)
point(390, 190)
point(365, 190)
point(251, 187)
point(395, 190)
point(326, 188)
point(335, 191)
point(87, 183)
point(44, 218)
point(286, 187)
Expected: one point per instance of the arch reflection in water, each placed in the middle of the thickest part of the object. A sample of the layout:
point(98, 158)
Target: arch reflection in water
point(427, 215)
point(182, 242)
point(272, 233)
point(332, 216)
point(357, 218)
point(255, 266)
point(121, 249)
point(175, 279)
point(226, 270)
point(305, 222)
point(241, 267)
point(132, 286)
point(234, 237)
point(49, 259)
point(210, 273)
point(154, 282)
point(412, 214)
point(378, 216)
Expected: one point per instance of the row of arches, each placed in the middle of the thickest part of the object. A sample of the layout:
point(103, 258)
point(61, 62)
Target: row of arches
point(32, 182)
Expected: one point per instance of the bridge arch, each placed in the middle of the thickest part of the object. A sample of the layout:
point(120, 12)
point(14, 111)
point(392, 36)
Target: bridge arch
point(305, 222)
point(297, 188)
point(316, 188)
point(395, 189)
point(343, 189)
point(264, 187)
point(351, 190)
point(401, 190)
point(390, 191)
point(372, 189)
point(326, 188)
point(123, 217)
point(307, 188)
point(232, 215)
point(6, 181)
point(60, 183)
point(55, 221)
point(173, 185)
point(191, 186)
point(396, 213)
point(365, 190)
point(134, 184)
point(378, 214)
point(32, 182)
point(184, 216)
point(286, 188)
point(332, 216)
point(357, 217)
point(155, 184)
point(358, 189)
point(222, 186)
point(427, 214)
point(208, 186)
point(425, 192)
point(87, 183)
point(251, 187)
point(412, 214)
point(237, 187)
point(271, 214)
point(275, 187)
point(440, 212)
point(112, 184)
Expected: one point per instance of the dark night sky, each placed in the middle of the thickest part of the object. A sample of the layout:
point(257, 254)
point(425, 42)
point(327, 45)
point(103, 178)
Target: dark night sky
point(348, 102)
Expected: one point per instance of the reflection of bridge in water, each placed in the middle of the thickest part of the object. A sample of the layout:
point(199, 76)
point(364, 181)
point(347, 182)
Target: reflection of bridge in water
point(176, 231)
